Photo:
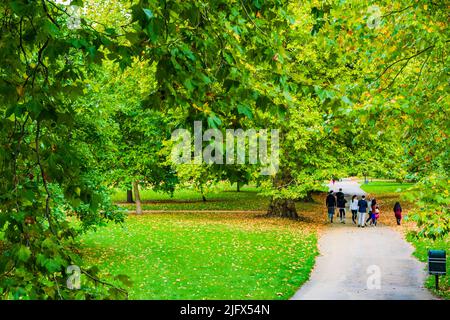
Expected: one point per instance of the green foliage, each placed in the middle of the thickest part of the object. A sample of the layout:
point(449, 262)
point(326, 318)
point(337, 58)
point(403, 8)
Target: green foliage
point(83, 109)
point(433, 214)
point(47, 165)
point(56, 133)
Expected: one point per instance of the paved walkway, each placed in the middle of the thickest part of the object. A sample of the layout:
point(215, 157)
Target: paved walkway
point(364, 263)
point(349, 187)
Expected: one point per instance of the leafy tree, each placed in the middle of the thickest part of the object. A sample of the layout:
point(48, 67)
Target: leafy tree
point(48, 167)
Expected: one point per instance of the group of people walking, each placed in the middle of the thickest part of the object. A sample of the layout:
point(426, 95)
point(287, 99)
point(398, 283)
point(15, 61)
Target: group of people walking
point(359, 209)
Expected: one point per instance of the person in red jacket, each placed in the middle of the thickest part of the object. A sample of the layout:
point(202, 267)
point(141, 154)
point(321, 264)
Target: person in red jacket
point(398, 212)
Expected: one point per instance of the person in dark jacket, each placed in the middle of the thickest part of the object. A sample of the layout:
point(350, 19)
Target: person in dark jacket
point(339, 194)
point(398, 212)
point(362, 210)
point(340, 200)
point(331, 204)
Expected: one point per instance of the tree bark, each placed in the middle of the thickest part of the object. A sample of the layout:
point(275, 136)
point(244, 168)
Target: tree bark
point(130, 195)
point(238, 189)
point(137, 197)
point(284, 208)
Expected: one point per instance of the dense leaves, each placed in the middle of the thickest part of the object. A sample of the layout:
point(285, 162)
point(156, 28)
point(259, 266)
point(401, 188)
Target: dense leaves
point(89, 98)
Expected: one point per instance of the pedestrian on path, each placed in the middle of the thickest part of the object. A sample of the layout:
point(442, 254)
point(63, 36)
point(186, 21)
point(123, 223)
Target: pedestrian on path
point(354, 208)
point(331, 205)
point(339, 194)
point(340, 199)
point(398, 212)
point(362, 210)
point(372, 205)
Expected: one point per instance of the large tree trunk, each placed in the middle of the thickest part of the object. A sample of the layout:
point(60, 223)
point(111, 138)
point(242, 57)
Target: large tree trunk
point(130, 195)
point(284, 208)
point(137, 197)
point(238, 189)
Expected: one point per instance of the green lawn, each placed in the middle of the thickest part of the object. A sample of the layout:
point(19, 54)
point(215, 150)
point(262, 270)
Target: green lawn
point(205, 256)
point(379, 187)
point(422, 246)
point(224, 198)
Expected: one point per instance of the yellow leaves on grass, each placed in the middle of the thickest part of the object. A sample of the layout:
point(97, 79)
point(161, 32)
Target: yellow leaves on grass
point(208, 255)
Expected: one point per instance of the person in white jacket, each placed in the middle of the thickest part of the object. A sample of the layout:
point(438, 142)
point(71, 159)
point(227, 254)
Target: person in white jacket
point(354, 208)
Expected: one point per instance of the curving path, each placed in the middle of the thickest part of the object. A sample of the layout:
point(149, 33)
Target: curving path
point(364, 263)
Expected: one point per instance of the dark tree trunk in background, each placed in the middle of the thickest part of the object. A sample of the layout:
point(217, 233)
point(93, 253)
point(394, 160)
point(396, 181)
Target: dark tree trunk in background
point(130, 196)
point(203, 198)
point(284, 208)
point(238, 188)
point(137, 197)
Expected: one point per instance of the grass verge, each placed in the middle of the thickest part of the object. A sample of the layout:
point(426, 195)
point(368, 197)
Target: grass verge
point(381, 187)
point(422, 246)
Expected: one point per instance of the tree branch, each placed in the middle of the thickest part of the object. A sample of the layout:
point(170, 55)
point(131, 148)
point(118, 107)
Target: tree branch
point(397, 11)
point(403, 59)
point(104, 282)
point(21, 41)
point(47, 200)
point(420, 72)
point(48, 14)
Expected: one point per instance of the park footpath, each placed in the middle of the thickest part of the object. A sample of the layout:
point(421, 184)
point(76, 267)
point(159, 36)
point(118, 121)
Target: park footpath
point(364, 263)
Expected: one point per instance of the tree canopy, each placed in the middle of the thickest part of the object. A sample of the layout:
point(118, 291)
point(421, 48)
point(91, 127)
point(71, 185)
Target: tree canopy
point(91, 92)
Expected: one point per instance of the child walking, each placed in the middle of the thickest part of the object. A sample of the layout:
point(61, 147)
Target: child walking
point(375, 215)
point(372, 205)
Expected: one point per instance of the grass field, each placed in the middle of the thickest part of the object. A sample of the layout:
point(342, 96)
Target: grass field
point(225, 198)
point(206, 256)
point(380, 187)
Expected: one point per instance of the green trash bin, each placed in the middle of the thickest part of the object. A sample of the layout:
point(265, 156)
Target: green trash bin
point(437, 262)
